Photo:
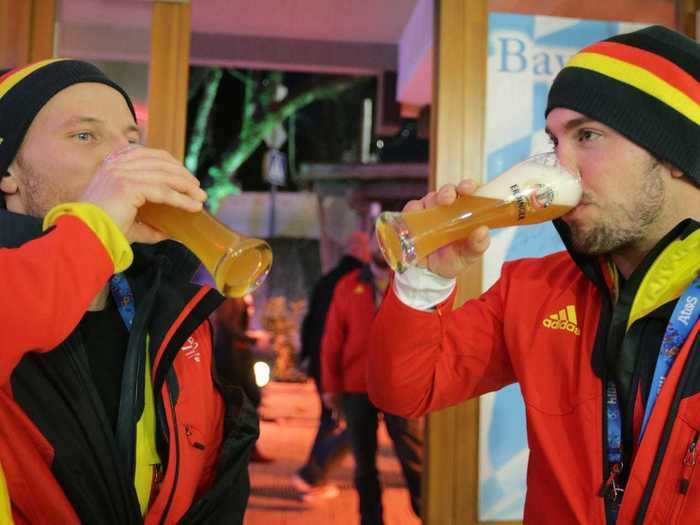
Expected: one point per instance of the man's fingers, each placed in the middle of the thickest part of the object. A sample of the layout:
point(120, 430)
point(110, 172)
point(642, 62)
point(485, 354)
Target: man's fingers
point(136, 152)
point(479, 240)
point(179, 180)
point(446, 195)
point(171, 197)
point(414, 205)
point(429, 201)
point(466, 187)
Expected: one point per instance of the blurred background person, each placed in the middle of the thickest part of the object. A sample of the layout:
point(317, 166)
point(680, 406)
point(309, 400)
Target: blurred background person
point(331, 443)
point(344, 351)
point(233, 349)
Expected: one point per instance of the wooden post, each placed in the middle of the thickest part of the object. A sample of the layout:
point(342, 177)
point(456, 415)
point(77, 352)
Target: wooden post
point(686, 17)
point(168, 76)
point(450, 491)
point(43, 34)
point(26, 31)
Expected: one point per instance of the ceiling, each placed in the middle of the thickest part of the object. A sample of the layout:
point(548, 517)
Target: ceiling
point(366, 21)
point(323, 36)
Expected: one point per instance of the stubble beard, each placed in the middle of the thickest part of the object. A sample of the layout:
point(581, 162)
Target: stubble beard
point(623, 226)
point(39, 193)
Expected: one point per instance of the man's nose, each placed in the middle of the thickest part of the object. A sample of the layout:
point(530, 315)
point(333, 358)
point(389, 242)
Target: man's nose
point(566, 156)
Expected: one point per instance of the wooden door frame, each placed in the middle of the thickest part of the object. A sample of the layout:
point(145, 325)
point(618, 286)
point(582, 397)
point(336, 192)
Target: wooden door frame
point(168, 75)
point(27, 31)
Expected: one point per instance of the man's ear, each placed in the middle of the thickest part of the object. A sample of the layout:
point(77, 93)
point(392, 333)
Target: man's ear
point(675, 172)
point(8, 184)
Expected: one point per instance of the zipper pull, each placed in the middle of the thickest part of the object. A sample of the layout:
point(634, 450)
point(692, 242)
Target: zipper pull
point(610, 489)
point(191, 439)
point(688, 463)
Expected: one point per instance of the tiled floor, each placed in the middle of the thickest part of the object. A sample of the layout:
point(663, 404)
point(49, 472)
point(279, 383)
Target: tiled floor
point(290, 414)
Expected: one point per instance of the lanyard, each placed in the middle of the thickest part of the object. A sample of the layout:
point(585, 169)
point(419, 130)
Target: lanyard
point(124, 297)
point(145, 453)
point(684, 316)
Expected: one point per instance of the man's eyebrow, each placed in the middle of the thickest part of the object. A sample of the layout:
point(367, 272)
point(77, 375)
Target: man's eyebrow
point(81, 120)
point(571, 124)
point(131, 128)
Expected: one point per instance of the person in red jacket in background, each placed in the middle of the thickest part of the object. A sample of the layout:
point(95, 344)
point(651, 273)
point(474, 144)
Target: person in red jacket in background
point(344, 351)
point(612, 389)
point(331, 443)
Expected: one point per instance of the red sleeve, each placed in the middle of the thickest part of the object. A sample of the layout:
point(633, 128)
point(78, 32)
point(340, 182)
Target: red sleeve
point(425, 361)
point(332, 344)
point(48, 283)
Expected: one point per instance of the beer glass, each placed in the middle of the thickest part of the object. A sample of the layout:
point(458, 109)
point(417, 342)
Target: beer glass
point(239, 264)
point(536, 190)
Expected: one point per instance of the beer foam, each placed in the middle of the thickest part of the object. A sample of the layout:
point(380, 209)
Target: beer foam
point(565, 185)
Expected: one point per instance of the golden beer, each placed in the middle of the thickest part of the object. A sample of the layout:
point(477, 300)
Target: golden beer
point(239, 264)
point(536, 190)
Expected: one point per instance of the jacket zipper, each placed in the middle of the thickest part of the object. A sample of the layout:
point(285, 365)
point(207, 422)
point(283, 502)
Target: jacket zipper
point(191, 433)
point(171, 496)
point(687, 468)
point(689, 465)
point(665, 437)
point(100, 413)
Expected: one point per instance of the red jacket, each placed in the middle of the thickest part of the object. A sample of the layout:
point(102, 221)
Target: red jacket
point(345, 341)
point(546, 324)
point(71, 262)
point(59, 453)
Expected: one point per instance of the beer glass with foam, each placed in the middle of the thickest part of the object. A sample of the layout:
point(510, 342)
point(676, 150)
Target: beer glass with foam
point(536, 190)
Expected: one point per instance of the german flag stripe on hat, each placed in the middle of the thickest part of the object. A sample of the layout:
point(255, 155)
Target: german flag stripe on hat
point(648, 72)
point(645, 86)
point(15, 76)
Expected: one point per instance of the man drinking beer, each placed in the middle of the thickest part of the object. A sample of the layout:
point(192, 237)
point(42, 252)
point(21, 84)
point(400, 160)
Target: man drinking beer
point(613, 402)
point(122, 421)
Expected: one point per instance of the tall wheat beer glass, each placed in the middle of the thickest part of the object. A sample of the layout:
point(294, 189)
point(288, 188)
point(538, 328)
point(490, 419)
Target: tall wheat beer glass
point(536, 190)
point(239, 264)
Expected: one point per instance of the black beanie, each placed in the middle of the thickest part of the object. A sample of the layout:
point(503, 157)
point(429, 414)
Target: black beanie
point(645, 85)
point(24, 91)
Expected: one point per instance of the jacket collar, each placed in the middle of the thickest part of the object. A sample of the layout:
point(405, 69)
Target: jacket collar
point(16, 229)
point(598, 269)
point(179, 263)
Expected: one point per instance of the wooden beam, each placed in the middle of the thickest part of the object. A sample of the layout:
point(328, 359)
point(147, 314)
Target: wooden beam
point(686, 17)
point(42, 30)
point(457, 142)
point(26, 31)
point(168, 76)
point(14, 33)
point(644, 11)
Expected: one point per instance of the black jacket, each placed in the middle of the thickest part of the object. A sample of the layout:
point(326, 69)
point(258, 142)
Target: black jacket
point(315, 320)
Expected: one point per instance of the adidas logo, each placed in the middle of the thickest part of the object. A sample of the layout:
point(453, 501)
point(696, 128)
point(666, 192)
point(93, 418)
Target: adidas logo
point(563, 320)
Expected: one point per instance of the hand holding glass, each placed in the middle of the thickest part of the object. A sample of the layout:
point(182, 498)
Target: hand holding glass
point(536, 190)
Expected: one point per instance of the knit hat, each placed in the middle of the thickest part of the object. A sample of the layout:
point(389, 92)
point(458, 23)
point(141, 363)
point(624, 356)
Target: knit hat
point(645, 85)
point(25, 90)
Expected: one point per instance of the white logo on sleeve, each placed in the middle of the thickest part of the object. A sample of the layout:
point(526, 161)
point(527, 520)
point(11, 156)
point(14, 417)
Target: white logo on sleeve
point(191, 349)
